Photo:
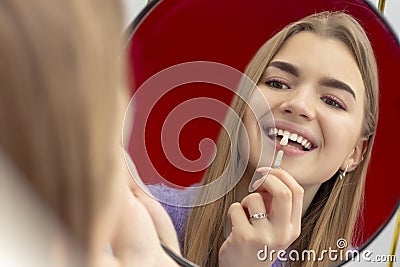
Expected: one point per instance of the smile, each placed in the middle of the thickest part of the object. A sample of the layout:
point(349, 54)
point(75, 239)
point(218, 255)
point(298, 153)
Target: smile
point(295, 140)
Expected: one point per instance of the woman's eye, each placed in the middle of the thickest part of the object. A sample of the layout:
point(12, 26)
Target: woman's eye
point(277, 84)
point(334, 102)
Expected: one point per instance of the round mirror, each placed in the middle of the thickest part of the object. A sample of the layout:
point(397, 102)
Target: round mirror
point(227, 34)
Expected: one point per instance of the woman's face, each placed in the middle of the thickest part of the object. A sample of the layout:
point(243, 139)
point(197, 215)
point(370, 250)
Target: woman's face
point(315, 92)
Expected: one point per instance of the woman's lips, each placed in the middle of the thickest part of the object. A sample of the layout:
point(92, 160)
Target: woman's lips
point(288, 149)
point(296, 133)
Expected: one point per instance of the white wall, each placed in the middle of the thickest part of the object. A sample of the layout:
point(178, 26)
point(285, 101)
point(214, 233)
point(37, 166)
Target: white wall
point(132, 9)
point(392, 13)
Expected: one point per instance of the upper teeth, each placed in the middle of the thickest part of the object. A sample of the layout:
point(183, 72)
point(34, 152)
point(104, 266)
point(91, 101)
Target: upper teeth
point(292, 136)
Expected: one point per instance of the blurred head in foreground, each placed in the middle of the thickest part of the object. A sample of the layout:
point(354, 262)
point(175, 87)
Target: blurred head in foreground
point(61, 108)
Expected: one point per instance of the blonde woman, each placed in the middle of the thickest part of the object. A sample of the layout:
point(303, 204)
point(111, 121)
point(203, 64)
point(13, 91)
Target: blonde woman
point(62, 100)
point(319, 76)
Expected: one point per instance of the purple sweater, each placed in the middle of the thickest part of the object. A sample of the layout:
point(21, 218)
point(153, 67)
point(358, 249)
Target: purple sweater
point(178, 214)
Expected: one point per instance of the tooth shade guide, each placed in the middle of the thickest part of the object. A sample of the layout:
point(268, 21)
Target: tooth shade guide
point(284, 140)
point(278, 159)
point(279, 155)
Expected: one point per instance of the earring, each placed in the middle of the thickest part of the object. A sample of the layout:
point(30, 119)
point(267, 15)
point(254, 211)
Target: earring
point(342, 174)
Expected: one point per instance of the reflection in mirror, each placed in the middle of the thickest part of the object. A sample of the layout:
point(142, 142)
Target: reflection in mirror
point(328, 110)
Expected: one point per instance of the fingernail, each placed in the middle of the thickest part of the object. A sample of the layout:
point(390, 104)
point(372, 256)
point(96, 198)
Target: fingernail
point(263, 169)
point(257, 183)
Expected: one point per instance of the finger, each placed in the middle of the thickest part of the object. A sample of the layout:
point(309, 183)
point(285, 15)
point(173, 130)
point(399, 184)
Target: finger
point(281, 206)
point(267, 198)
point(134, 181)
point(137, 187)
point(254, 204)
point(297, 193)
point(238, 218)
point(161, 220)
point(126, 234)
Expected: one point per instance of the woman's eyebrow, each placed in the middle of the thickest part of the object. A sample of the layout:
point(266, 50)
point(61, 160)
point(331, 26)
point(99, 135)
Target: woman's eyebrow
point(326, 81)
point(332, 82)
point(286, 67)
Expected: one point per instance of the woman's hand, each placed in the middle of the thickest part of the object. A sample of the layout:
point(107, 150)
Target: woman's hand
point(142, 224)
point(160, 218)
point(281, 198)
point(136, 242)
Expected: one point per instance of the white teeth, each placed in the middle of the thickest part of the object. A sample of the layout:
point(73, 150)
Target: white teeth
point(299, 139)
point(292, 136)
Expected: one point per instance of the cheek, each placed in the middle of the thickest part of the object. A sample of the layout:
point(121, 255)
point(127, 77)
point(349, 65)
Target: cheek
point(341, 134)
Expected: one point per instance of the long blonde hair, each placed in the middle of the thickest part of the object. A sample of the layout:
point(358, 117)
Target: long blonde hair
point(323, 223)
point(59, 74)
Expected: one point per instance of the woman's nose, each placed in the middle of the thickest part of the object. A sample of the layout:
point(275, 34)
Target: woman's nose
point(299, 104)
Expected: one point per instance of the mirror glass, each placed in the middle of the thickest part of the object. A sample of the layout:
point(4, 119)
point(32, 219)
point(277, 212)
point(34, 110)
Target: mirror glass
point(188, 59)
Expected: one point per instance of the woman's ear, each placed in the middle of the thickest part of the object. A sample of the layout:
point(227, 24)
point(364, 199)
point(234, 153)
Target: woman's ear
point(357, 155)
